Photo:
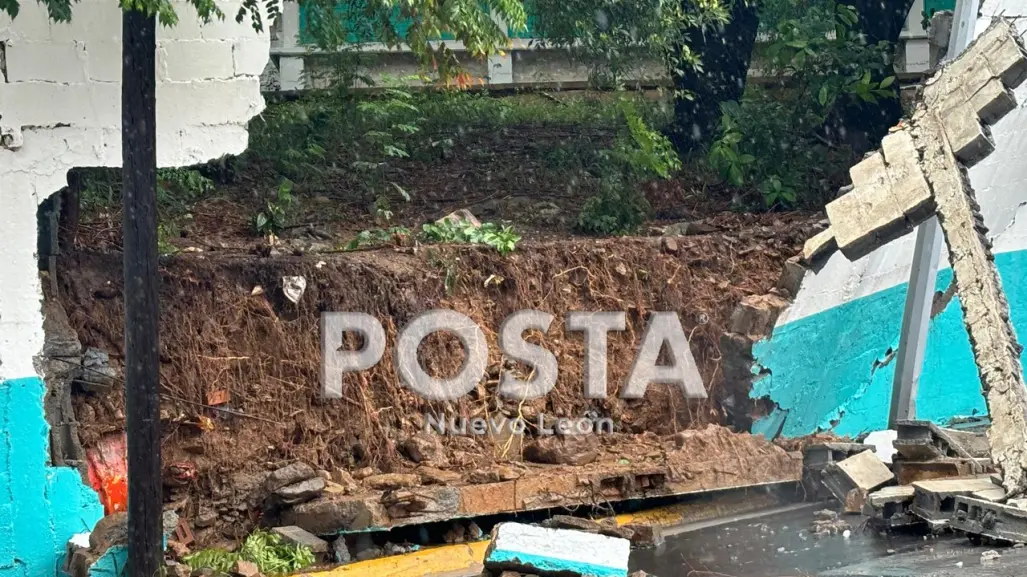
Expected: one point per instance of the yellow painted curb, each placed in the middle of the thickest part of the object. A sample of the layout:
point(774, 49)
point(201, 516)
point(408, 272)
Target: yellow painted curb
point(433, 561)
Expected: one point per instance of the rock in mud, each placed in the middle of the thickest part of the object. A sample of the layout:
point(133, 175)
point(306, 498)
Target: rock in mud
point(645, 536)
point(562, 450)
point(296, 536)
point(340, 552)
point(433, 476)
point(342, 477)
point(300, 492)
point(288, 475)
point(390, 481)
point(363, 473)
point(421, 448)
point(245, 569)
point(459, 217)
point(570, 522)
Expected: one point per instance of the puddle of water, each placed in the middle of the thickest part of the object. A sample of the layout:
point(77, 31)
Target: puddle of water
point(774, 546)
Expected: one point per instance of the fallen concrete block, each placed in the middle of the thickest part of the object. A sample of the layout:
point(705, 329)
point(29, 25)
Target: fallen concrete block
point(296, 536)
point(819, 245)
point(556, 552)
point(863, 471)
point(909, 472)
point(980, 517)
point(816, 457)
point(889, 507)
point(935, 501)
point(923, 440)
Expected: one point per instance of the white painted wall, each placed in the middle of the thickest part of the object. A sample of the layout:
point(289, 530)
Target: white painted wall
point(60, 108)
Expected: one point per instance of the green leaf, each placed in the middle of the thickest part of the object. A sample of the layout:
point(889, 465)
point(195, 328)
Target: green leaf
point(887, 82)
point(734, 176)
point(822, 97)
point(746, 159)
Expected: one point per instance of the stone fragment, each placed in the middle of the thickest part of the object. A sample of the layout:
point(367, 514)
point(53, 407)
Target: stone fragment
point(387, 481)
point(562, 450)
point(243, 568)
point(861, 471)
point(555, 552)
point(421, 448)
point(755, 315)
point(300, 492)
point(433, 476)
point(966, 137)
point(288, 475)
point(460, 217)
point(791, 276)
point(340, 552)
point(889, 507)
point(296, 536)
point(646, 535)
point(819, 245)
point(363, 473)
point(571, 522)
point(983, 518)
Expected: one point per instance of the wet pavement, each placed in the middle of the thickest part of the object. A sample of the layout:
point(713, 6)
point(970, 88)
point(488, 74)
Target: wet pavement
point(782, 546)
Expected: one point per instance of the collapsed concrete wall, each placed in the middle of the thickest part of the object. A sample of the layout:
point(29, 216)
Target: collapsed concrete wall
point(830, 362)
point(60, 98)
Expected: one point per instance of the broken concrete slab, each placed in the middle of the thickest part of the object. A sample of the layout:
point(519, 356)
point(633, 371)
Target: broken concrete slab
point(981, 517)
point(863, 471)
point(556, 552)
point(935, 501)
point(909, 472)
point(819, 246)
point(817, 456)
point(889, 507)
point(923, 440)
point(294, 535)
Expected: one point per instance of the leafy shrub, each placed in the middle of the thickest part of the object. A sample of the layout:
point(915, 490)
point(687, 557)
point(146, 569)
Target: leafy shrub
point(617, 209)
point(503, 239)
point(274, 218)
point(263, 548)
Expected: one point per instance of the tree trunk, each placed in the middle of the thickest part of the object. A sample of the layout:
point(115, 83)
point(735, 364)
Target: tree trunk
point(142, 363)
point(726, 54)
point(862, 125)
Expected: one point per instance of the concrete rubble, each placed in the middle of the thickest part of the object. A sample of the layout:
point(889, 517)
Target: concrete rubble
point(549, 552)
point(935, 501)
point(852, 479)
point(920, 172)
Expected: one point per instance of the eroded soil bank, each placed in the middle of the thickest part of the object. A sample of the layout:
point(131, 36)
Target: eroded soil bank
point(240, 362)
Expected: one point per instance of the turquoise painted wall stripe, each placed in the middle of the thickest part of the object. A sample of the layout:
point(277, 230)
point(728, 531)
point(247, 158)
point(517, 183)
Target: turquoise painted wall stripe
point(41, 507)
point(554, 565)
point(832, 370)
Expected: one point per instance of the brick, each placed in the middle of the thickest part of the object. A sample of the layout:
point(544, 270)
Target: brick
point(555, 552)
point(249, 58)
point(965, 135)
point(819, 245)
point(898, 148)
point(865, 218)
point(908, 472)
point(869, 171)
point(993, 101)
point(103, 61)
point(1008, 62)
point(791, 276)
point(988, 519)
point(294, 535)
point(889, 507)
point(921, 440)
point(755, 315)
point(863, 471)
point(935, 501)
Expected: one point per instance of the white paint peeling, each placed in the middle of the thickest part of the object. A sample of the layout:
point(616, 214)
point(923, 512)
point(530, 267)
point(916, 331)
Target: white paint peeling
point(61, 103)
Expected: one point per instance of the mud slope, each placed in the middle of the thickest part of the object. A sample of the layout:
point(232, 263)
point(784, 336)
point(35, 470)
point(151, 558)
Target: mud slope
point(220, 334)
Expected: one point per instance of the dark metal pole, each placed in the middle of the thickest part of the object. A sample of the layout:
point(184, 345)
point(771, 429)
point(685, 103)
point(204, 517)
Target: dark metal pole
point(142, 376)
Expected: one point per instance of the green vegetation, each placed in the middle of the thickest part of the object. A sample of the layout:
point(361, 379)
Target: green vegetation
point(265, 549)
point(501, 238)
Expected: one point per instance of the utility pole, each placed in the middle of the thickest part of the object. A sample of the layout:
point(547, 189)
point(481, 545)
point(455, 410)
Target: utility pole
point(142, 370)
point(916, 317)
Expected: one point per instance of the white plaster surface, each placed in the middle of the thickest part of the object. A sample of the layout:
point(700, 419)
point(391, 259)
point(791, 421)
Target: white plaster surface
point(1000, 182)
point(563, 544)
point(62, 102)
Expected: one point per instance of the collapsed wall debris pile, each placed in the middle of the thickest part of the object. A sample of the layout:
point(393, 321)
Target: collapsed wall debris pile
point(921, 171)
